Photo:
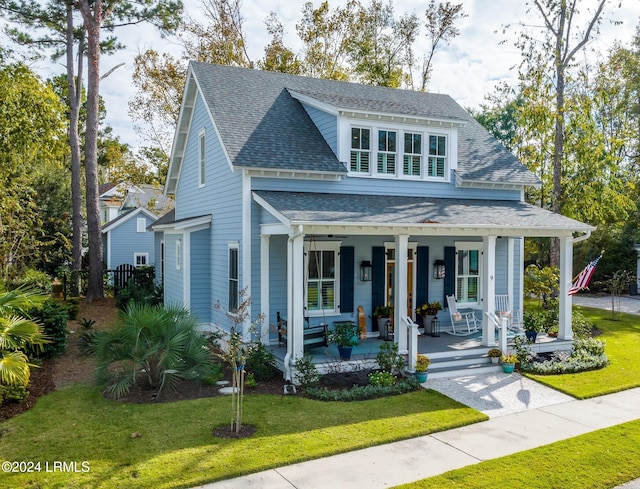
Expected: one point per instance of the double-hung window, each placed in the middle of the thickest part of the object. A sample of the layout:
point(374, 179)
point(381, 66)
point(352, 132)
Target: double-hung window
point(468, 268)
point(412, 160)
point(322, 264)
point(233, 279)
point(387, 152)
point(141, 259)
point(437, 156)
point(360, 149)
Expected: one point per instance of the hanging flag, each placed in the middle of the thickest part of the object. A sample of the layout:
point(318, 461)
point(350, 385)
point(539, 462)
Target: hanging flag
point(583, 279)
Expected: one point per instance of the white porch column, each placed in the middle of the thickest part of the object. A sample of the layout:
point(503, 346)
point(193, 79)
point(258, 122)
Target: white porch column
point(264, 286)
point(566, 276)
point(295, 305)
point(510, 271)
point(489, 302)
point(401, 298)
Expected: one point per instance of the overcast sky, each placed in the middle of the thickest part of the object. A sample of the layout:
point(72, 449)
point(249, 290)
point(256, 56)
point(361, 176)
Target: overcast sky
point(467, 69)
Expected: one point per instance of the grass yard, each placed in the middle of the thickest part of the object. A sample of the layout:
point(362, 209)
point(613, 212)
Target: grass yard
point(589, 460)
point(176, 448)
point(623, 349)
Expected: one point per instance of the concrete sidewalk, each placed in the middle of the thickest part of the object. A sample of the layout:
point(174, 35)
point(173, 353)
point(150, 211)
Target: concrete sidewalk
point(411, 460)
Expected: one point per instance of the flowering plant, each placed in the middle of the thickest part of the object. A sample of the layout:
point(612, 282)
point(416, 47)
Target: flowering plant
point(429, 308)
point(422, 363)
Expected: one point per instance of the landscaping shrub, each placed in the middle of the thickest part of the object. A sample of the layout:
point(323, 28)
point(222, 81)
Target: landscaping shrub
point(72, 306)
point(34, 280)
point(215, 374)
point(261, 363)
point(581, 326)
point(151, 345)
point(307, 374)
point(587, 354)
point(140, 293)
point(52, 315)
point(13, 393)
point(388, 358)
point(360, 393)
point(383, 378)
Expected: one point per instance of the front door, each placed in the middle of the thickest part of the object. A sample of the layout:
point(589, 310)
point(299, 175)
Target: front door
point(390, 268)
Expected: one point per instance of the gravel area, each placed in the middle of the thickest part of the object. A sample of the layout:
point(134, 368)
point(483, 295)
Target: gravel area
point(498, 394)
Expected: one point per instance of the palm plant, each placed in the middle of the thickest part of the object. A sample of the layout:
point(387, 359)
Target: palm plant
point(153, 345)
point(17, 333)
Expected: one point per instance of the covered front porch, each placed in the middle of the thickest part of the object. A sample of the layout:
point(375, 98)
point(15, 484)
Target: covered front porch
point(450, 355)
point(309, 259)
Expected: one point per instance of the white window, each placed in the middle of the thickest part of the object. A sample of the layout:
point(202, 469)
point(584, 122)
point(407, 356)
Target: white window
point(141, 259)
point(412, 161)
point(141, 225)
point(360, 149)
point(468, 266)
point(322, 287)
point(179, 254)
point(202, 167)
point(387, 149)
point(437, 156)
point(234, 277)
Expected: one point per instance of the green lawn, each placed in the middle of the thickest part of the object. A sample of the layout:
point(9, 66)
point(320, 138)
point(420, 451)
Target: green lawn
point(623, 349)
point(586, 461)
point(177, 449)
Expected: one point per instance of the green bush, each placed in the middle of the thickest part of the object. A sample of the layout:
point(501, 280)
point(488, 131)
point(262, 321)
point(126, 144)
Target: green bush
point(72, 306)
point(261, 363)
point(215, 374)
point(360, 393)
point(383, 378)
point(581, 326)
point(144, 293)
point(35, 280)
point(388, 358)
point(152, 345)
point(13, 393)
point(52, 315)
point(307, 374)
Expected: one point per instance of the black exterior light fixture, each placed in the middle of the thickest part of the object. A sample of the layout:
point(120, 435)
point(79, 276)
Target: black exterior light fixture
point(438, 269)
point(365, 271)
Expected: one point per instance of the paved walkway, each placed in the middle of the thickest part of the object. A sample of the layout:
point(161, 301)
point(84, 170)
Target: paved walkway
point(522, 412)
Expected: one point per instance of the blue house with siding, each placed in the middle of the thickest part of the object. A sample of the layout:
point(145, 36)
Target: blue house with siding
point(290, 187)
point(126, 240)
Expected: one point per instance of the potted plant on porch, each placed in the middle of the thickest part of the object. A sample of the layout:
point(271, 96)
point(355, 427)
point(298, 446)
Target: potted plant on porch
point(422, 365)
point(508, 362)
point(345, 336)
point(384, 315)
point(494, 354)
point(426, 312)
point(533, 323)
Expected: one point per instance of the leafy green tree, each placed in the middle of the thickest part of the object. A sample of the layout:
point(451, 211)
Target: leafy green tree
point(278, 57)
point(18, 333)
point(32, 135)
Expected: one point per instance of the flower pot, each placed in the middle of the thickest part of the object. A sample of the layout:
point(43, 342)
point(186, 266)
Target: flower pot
point(495, 359)
point(531, 336)
point(508, 367)
point(345, 352)
point(421, 376)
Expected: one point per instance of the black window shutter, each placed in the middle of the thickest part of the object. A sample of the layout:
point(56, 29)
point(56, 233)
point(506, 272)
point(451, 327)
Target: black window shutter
point(377, 277)
point(449, 271)
point(346, 279)
point(422, 275)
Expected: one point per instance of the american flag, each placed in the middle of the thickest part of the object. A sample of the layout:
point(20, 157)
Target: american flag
point(585, 277)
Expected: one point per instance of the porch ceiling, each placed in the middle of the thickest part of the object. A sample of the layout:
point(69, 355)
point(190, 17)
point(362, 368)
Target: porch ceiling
point(377, 214)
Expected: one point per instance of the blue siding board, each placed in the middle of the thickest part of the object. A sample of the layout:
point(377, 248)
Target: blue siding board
point(327, 124)
point(200, 275)
point(173, 278)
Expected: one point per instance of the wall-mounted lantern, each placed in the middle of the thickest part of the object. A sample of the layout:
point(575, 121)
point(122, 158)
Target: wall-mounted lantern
point(438, 269)
point(365, 271)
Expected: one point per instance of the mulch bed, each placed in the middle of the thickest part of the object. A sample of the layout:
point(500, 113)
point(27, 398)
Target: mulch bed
point(41, 384)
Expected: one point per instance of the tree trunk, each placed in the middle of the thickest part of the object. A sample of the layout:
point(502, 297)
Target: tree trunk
point(95, 290)
point(75, 94)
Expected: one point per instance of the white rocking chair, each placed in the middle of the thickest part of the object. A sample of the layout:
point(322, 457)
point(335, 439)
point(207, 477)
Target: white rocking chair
point(503, 310)
point(462, 323)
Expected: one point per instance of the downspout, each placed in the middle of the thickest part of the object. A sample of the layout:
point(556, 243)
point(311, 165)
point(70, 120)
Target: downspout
point(287, 357)
point(582, 238)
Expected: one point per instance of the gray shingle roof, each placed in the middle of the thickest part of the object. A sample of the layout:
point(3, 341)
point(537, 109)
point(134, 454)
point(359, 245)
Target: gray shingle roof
point(263, 126)
point(320, 208)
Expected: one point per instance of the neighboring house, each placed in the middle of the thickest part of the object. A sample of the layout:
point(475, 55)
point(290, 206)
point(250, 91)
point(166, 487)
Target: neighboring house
point(116, 199)
point(286, 186)
point(127, 241)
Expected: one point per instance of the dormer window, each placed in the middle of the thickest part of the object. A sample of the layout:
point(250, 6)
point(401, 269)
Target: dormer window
point(360, 149)
point(437, 156)
point(412, 160)
point(387, 152)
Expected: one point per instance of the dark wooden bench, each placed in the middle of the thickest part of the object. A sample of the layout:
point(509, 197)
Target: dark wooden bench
point(314, 336)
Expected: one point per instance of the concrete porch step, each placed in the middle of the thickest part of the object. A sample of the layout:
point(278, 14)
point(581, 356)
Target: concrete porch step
point(483, 368)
